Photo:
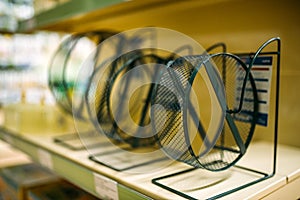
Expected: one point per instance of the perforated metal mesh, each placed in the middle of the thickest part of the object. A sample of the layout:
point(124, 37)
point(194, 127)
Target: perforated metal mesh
point(112, 106)
point(185, 126)
point(227, 151)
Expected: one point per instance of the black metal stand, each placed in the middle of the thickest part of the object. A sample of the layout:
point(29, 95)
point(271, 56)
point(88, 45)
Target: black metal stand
point(262, 175)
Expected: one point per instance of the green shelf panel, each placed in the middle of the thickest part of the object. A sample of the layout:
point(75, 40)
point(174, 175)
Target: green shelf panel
point(68, 10)
point(129, 194)
point(75, 173)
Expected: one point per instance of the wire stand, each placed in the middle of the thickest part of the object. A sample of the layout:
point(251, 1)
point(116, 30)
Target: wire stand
point(262, 174)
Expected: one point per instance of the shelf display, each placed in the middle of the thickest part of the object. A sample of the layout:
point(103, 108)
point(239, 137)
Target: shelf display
point(84, 142)
point(179, 141)
point(225, 147)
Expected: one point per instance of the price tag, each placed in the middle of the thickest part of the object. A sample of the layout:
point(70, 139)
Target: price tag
point(105, 187)
point(45, 158)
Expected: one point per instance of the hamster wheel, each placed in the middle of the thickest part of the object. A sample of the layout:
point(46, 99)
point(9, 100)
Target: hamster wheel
point(117, 104)
point(66, 62)
point(200, 98)
point(62, 80)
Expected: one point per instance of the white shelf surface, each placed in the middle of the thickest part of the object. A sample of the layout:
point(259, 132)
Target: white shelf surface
point(79, 169)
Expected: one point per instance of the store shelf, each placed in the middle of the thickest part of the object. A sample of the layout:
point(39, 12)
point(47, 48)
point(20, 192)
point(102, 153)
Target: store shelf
point(65, 16)
point(81, 16)
point(206, 21)
point(63, 12)
point(76, 167)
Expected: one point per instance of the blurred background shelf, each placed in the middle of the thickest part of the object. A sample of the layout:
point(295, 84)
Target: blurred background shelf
point(81, 16)
point(65, 13)
point(66, 16)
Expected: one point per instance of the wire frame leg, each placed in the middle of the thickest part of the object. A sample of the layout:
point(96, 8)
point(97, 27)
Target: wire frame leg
point(263, 176)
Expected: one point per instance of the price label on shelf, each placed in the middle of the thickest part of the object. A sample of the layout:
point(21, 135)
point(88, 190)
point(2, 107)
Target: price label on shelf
point(45, 158)
point(105, 187)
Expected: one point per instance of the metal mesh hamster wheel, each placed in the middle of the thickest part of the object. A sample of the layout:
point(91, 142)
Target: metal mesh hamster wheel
point(185, 133)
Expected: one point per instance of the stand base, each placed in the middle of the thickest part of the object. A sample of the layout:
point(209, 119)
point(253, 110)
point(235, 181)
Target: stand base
point(209, 182)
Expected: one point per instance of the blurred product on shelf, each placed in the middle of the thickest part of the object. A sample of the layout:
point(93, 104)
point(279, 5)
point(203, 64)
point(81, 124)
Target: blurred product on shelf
point(27, 104)
point(13, 11)
point(24, 61)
